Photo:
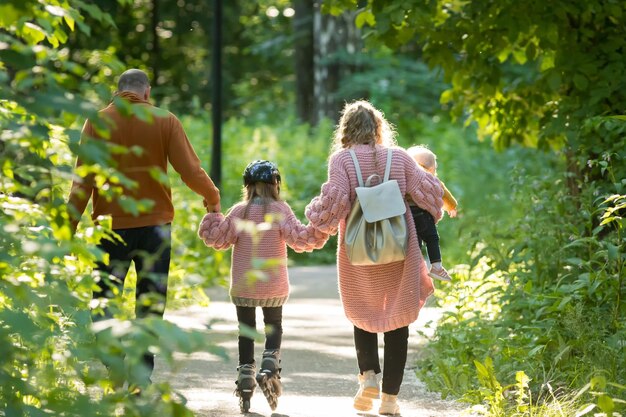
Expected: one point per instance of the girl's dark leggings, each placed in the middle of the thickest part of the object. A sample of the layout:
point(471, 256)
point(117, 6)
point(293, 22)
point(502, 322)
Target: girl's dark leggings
point(273, 319)
point(396, 346)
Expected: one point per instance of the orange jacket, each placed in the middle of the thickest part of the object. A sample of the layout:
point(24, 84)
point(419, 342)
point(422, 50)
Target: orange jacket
point(161, 140)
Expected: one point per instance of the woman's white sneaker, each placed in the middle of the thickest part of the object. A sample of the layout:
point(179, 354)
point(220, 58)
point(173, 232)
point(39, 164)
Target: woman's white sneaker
point(368, 390)
point(389, 405)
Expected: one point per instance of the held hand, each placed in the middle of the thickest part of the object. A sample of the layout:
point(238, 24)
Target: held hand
point(452, 213)
point(213, 208)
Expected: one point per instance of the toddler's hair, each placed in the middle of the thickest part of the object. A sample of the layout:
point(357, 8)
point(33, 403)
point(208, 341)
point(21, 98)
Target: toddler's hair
point(423, 156)
point(362, 123)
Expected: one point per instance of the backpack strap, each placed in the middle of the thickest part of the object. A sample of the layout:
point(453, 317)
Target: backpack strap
point(388, 166)
point(357, 167)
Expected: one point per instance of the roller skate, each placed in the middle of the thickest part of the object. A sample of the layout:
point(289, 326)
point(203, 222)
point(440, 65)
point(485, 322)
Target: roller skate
point(245, 385)
point(269, 377)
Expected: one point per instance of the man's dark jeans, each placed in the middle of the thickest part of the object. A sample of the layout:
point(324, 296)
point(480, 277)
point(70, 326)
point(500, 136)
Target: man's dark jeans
point(149, 247)
point(427, 232)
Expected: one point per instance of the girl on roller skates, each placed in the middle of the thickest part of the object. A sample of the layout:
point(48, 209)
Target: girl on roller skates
point(259, 276)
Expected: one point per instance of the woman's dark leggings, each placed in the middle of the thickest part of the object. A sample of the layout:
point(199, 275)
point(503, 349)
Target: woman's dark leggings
point(396, 346)
point(273, 319)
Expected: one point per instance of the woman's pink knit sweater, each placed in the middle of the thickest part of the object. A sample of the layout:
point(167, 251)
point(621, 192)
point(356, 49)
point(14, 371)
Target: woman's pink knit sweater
point(377, 298)
point(259, 276)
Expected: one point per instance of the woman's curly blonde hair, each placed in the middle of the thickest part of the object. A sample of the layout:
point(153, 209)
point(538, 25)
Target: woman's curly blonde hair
point(362, 124)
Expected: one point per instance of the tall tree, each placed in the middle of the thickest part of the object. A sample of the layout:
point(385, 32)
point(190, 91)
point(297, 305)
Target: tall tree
point(304, 61)
point(337, 41)
point(155, 50)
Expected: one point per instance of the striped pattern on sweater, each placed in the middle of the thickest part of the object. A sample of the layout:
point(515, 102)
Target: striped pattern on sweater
point(259, 276)
point(377, 298)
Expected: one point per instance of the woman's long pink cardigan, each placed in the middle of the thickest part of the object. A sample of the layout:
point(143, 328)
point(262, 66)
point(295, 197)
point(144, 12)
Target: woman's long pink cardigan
point(377, 298)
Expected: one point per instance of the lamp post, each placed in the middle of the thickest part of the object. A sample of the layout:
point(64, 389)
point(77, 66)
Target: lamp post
point(216, 88)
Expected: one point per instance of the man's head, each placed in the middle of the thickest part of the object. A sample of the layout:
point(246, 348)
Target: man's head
point(135, 81)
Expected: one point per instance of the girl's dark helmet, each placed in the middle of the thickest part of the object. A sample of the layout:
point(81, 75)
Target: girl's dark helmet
point(261, 171)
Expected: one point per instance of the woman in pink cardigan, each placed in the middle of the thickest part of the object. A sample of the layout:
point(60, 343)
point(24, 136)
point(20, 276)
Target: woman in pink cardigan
point(260, 228)
point(377, 298)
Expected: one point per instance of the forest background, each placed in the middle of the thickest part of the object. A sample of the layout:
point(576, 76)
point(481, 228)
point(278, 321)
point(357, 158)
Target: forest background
point(523, 102)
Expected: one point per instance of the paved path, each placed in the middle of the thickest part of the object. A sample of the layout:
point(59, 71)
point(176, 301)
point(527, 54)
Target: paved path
point(318, 358)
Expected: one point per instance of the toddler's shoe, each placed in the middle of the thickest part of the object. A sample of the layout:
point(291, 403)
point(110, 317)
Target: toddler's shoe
point(439, 273)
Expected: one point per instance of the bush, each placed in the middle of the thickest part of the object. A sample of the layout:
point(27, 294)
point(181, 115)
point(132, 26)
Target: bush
point(554, 271)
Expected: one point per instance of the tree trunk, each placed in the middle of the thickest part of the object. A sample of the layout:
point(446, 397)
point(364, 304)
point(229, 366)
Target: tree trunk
point(337, 39)
point(156, 52)
point(304, 61)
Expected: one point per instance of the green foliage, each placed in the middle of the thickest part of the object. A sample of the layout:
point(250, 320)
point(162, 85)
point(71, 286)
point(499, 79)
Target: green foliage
point(524, 72)
point(516, 399)
point(398, 82)
point(540, 236)
point(492, 391)
point(473, 172)
point(173, 43)
point(601, 399)
point(559, 288)
point(51, 352)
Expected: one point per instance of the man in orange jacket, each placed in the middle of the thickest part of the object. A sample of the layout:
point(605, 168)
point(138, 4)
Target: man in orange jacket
point(146, 236)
